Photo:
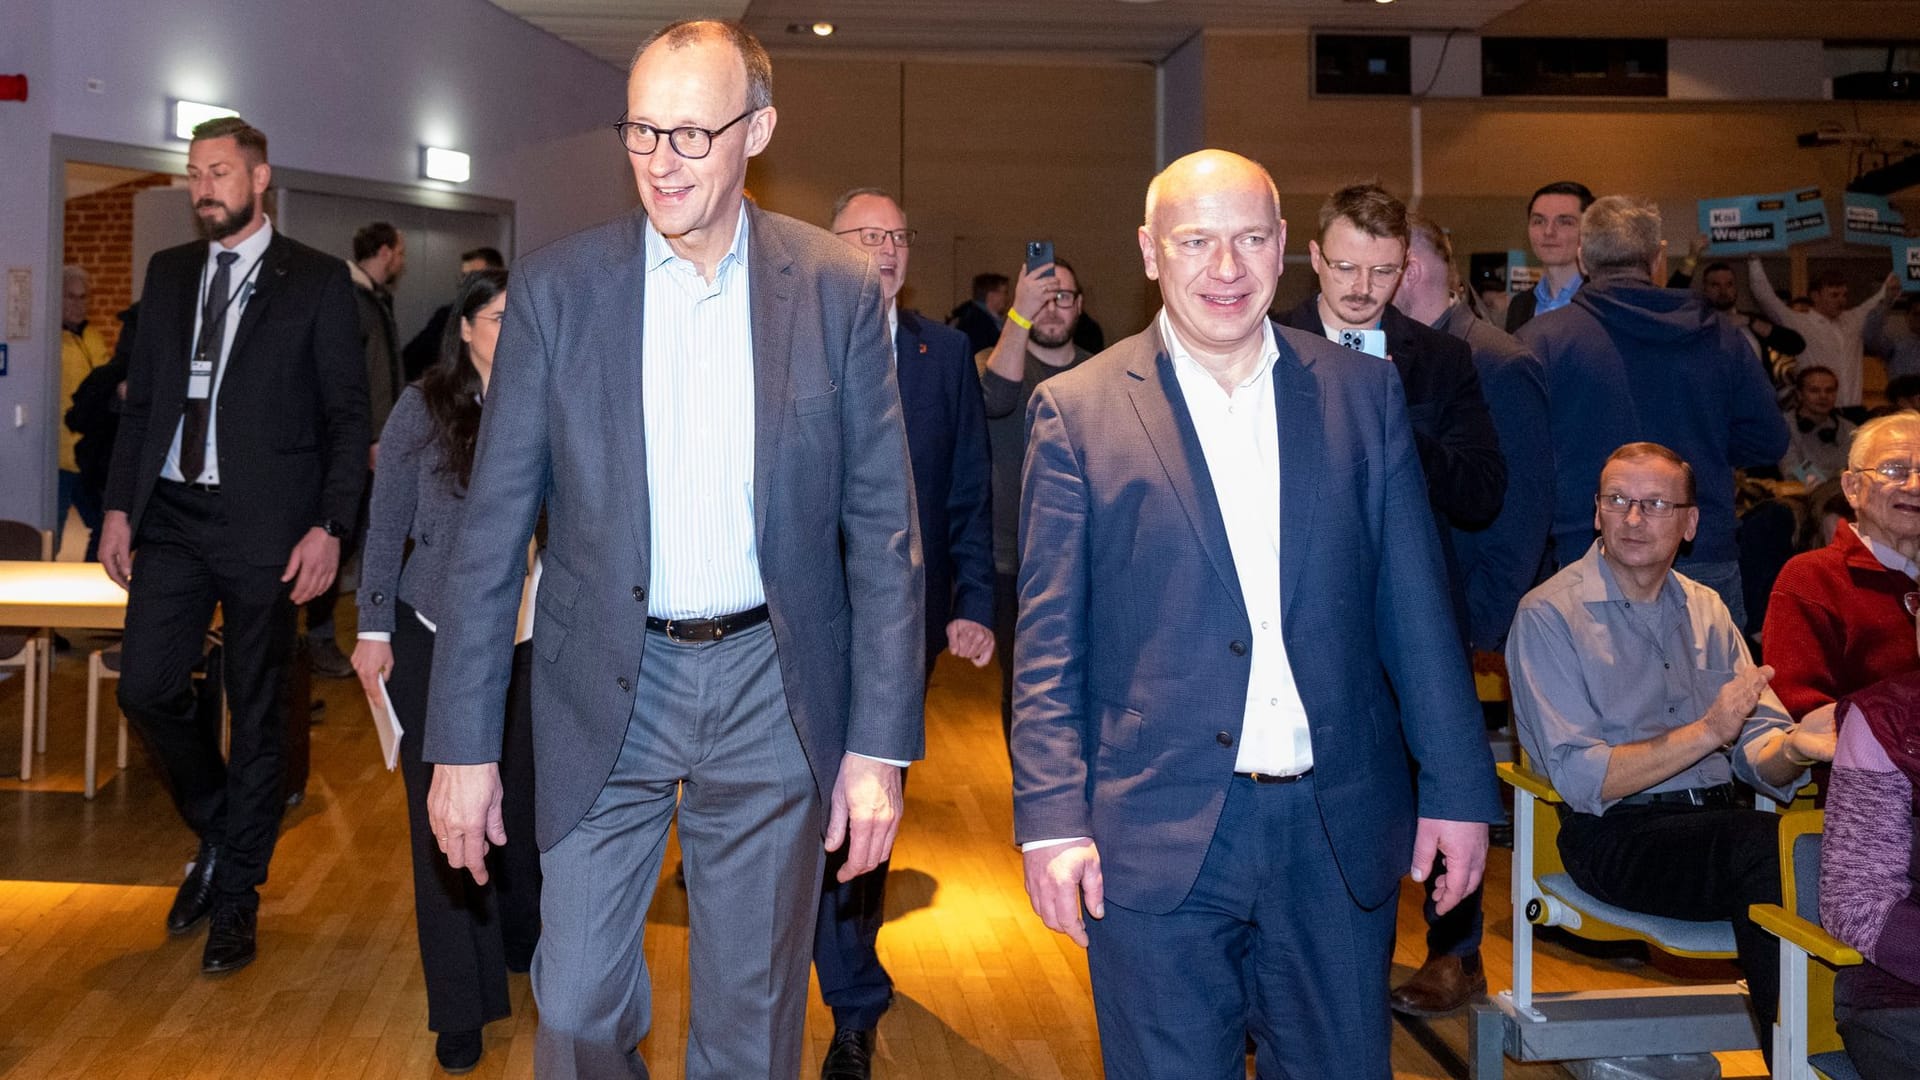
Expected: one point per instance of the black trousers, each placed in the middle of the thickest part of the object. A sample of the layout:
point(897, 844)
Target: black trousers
point(184, 563)
point(1688, 862)
point(469, 934)
point(1006, 612)
point(1883, 1043)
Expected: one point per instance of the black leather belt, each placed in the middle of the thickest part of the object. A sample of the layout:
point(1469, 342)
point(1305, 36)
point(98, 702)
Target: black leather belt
point(1723, 795)
point(1273, 778)
point(694, 630)
point(211, 489)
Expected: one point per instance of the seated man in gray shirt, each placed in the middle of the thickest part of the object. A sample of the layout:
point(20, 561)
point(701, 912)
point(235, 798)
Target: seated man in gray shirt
point(1633, 691)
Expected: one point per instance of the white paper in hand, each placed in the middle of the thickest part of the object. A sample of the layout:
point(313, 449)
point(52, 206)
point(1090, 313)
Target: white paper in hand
point(387, 723)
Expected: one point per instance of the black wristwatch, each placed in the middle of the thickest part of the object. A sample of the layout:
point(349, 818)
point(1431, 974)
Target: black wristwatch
point(331, 528)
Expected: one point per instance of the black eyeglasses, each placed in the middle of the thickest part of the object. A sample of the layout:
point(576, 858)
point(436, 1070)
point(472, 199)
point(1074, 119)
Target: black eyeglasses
point(1061, 297)
point(690, 142)
point(1621, 505)
point(876, 237)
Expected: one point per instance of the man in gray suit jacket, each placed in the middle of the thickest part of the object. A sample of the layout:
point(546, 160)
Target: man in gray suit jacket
point(702, 395)
point(1234, 634)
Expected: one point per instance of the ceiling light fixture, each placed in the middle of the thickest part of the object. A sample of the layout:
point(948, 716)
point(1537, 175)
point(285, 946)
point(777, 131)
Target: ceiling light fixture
point(188, 115)
point(439, 163)
point(823, 29)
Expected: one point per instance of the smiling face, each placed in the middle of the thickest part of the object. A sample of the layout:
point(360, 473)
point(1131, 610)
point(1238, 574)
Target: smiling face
point(1888, 511)
point(1358, 272)
point(1214, 245)
point(1553, 228)
point(1634, 540)
point(877, 212)
point(695, 202)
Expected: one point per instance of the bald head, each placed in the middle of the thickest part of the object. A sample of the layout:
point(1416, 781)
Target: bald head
point(1214, 170)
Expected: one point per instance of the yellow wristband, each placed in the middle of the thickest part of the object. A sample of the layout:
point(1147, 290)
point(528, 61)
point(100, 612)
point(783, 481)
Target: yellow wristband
point(1019, 320)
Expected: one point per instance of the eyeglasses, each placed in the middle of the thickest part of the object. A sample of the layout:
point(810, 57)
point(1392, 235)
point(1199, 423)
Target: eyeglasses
point(1895, 472)
point(876, 237)
point(493, 318)
point(690, 142)
point(1060, 297)
point(1620, 505)
point(1347, 273)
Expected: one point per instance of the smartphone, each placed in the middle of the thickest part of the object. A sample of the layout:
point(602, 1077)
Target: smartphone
point(1371, 342)
point(1039, 254)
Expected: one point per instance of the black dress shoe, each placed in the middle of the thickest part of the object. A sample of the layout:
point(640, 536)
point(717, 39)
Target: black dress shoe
point(849, 1056)
point(458, 1051)
point(195, 898)
point(229, 939)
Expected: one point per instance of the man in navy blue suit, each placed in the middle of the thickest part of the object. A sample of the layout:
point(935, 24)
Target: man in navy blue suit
point(947, 445)
point(1229, 581)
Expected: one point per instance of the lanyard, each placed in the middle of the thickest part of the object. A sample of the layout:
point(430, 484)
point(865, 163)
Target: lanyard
point(206, 283)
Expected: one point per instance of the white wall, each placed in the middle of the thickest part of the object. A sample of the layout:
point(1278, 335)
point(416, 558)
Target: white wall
point(343, 87)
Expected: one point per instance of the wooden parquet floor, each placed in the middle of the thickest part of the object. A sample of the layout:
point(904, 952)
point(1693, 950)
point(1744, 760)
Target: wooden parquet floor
point(92, 986)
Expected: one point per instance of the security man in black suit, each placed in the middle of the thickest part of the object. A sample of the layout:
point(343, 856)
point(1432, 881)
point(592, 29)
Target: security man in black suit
point(239, 467)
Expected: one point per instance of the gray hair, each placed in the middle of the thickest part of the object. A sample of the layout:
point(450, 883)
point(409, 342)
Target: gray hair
point(753, 55)
point(1620, 232)
point(74, 272)
point(1900, 423)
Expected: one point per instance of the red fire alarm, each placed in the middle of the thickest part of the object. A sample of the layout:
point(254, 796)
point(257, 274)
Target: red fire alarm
point(13, 88)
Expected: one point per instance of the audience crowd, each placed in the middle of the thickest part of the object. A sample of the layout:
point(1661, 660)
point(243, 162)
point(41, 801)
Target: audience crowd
point(1613, 497)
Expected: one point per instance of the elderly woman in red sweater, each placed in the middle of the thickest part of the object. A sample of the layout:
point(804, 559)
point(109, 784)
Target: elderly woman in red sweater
point(1836, 622)
point(1869, 874)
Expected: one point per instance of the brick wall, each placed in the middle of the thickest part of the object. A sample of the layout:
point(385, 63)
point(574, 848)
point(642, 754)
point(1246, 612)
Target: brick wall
point(99, 237)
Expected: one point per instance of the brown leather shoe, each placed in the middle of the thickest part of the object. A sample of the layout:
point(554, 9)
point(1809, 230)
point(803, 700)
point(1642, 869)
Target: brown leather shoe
point(1443, 984)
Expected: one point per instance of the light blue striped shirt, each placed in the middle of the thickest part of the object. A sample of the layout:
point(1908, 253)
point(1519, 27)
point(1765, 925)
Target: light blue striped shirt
point(697, 349)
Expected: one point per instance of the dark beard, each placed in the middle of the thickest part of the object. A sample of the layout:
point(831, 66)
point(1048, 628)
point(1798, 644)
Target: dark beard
point(1050, 341)
point(215, 232)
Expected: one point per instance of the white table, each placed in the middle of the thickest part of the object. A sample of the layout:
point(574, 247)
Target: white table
point(46, 595)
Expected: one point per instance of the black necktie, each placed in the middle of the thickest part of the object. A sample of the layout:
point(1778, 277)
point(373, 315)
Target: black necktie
point(213, 333)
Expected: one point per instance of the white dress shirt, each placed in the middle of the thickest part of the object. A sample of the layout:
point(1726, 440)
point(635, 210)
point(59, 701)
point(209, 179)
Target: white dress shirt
point(699, 414)
point(1240, 438)
point(1838, 345)
point(242, 277)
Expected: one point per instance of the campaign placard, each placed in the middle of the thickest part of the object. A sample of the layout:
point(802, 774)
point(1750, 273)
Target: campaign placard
point(1752, 224)
point(1906, 264)
point(1872, 220)
point(1744, 224)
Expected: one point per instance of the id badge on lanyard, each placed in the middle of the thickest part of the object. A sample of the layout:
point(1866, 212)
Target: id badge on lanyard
point(200, 372)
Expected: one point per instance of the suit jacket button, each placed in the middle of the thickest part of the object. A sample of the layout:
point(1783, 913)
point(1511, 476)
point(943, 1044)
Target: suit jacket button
point(640, 594)
point(1224, 738)
point(379, 598)
point(1238, 648)
point(624, 684)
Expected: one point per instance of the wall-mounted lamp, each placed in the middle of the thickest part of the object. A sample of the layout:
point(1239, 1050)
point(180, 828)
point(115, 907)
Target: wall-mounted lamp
point(188, 115)
point(439, 163)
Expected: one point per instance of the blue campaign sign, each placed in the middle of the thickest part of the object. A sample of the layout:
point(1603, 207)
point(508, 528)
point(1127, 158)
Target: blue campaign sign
point(1873, 220)
point(1806, 215)
point(1744, 224)
point(1906, 264)
point(1752, 224)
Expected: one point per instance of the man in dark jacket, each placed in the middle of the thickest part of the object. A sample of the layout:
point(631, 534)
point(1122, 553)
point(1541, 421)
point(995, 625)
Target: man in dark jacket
point(1360, 255)
point(1627, 361)
point(94, 415)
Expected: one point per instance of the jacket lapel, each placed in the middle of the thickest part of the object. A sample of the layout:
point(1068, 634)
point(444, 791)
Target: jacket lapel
point(267, 284)
point(1162, 410)
point(770, 293)
point(1299, 408)
point(620, 339)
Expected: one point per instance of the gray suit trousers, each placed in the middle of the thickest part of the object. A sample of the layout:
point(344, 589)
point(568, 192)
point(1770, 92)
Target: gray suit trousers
point(710, 726)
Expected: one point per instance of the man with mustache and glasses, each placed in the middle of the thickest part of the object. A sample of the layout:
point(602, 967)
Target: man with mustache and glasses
point(1036, 343)
point(238, 469)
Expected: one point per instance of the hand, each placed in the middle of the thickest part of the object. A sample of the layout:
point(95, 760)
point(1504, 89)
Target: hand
point(1735, 702)
point(1891, 288)
point(1060, 877)
point(312, 565)
point(865, 814)
point(373, 456)
point(464, 807)
point(1698, 248)
point(968, 640)
point(1815, 736)
point(116, 547)
point(1030, 293)
point(372, 661)
point(1463, 844)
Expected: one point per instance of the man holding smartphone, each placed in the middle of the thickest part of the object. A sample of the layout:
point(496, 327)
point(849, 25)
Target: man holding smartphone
point(1035, 344)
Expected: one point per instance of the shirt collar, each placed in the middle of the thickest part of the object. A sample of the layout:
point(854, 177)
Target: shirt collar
point(249, 249)
point(893, 320)
point(1598, 586)
point(1269, 351)
point(659, 252)
point(1545, 296)
point(1888, 557)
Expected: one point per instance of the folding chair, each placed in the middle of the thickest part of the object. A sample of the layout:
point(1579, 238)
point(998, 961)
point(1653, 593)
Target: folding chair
point(1805, 1044)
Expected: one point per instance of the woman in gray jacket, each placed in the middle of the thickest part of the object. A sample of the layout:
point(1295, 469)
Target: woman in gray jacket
point(470, 935)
